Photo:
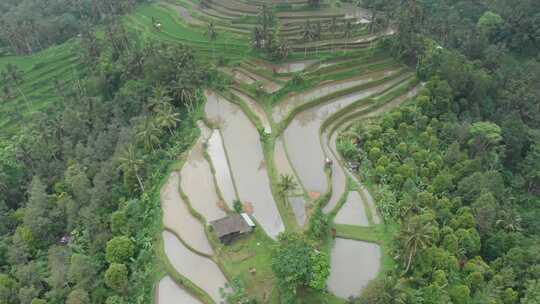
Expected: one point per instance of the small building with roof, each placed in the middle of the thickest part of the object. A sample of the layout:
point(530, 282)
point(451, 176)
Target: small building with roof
point(232, 226)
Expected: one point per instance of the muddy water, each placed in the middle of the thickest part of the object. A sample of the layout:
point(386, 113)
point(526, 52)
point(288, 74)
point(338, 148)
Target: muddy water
point(256, 108)
point(298, 205)
point(246, 156)
point(302, 137)
point(293, 101)
point(170, 293)
point(353, 211)
point(339, 177)
point(176, 216)
point(224, 180)
point(202, 271)
point(197, 181)
point(353, 265)
point(371, 203)
point(283, 165)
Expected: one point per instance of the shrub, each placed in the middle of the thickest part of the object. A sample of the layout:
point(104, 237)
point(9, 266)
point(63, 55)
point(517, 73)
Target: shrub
point(119, 249)
point(116, 277)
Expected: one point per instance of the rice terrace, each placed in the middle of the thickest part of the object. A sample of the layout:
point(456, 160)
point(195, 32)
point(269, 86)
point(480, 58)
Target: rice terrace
point(265, 151)
point(275, 126)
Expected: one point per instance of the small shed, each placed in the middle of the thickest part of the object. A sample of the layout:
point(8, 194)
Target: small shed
point(231, 227)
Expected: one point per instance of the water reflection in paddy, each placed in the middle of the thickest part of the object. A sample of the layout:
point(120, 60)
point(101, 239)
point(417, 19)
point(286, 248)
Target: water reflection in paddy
point(170, 293)
point(200, 270)
point(353, 265)
point(197, 180)
point(248, 167)
point(176, 216)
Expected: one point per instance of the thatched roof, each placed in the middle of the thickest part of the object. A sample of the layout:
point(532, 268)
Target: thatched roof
point(231, 224)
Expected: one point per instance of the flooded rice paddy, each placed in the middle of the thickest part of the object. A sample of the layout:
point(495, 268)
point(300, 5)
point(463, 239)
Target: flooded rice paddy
point(256, 108)
point(303, 141)
point(197, 181)
point(298, 205)
point(353, 211)
point(353, 265)
point(245, 152)
point(294, 100)
point(176, 216)
point(200, 270)
point(170, 293)
point(235, 168)
point(217, 155)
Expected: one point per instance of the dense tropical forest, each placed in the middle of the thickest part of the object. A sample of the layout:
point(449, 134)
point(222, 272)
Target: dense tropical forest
point(458, 167)
point(102, 100)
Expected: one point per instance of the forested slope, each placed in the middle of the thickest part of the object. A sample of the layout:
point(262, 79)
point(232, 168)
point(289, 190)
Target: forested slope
point(72, 181)
point(458, 167)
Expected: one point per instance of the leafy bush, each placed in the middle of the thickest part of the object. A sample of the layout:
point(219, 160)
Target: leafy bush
point(119, 249)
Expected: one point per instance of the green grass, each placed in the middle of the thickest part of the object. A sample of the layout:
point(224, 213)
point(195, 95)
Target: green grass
point(244, 255)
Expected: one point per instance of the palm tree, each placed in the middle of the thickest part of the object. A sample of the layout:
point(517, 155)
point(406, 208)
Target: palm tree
point(265, 18)
point(347, 32)
point(257, 38)
point(314, 3)
point(212, 34)
point(159, 99)
point(332, 28)
point(308, 34)
point(148, 134)
point(205, 3)
point(14, 76)
point(417, 235)
point(129, 162)
point(282, 51)
point(166, 117)
point(393, 291)
point(184, 90)
point(317, 31)
point(286, 185)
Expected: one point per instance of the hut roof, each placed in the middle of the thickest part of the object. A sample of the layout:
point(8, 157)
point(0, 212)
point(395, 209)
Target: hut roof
point(231, 224)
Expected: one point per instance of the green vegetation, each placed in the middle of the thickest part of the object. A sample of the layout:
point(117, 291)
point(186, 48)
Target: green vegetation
point(445, 167)
point(100, 99)
point(297, 263)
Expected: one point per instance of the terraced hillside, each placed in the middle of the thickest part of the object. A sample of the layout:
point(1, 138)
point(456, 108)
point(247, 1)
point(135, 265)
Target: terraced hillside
point(251, 135)
point(187, 22)
point(40, 76)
